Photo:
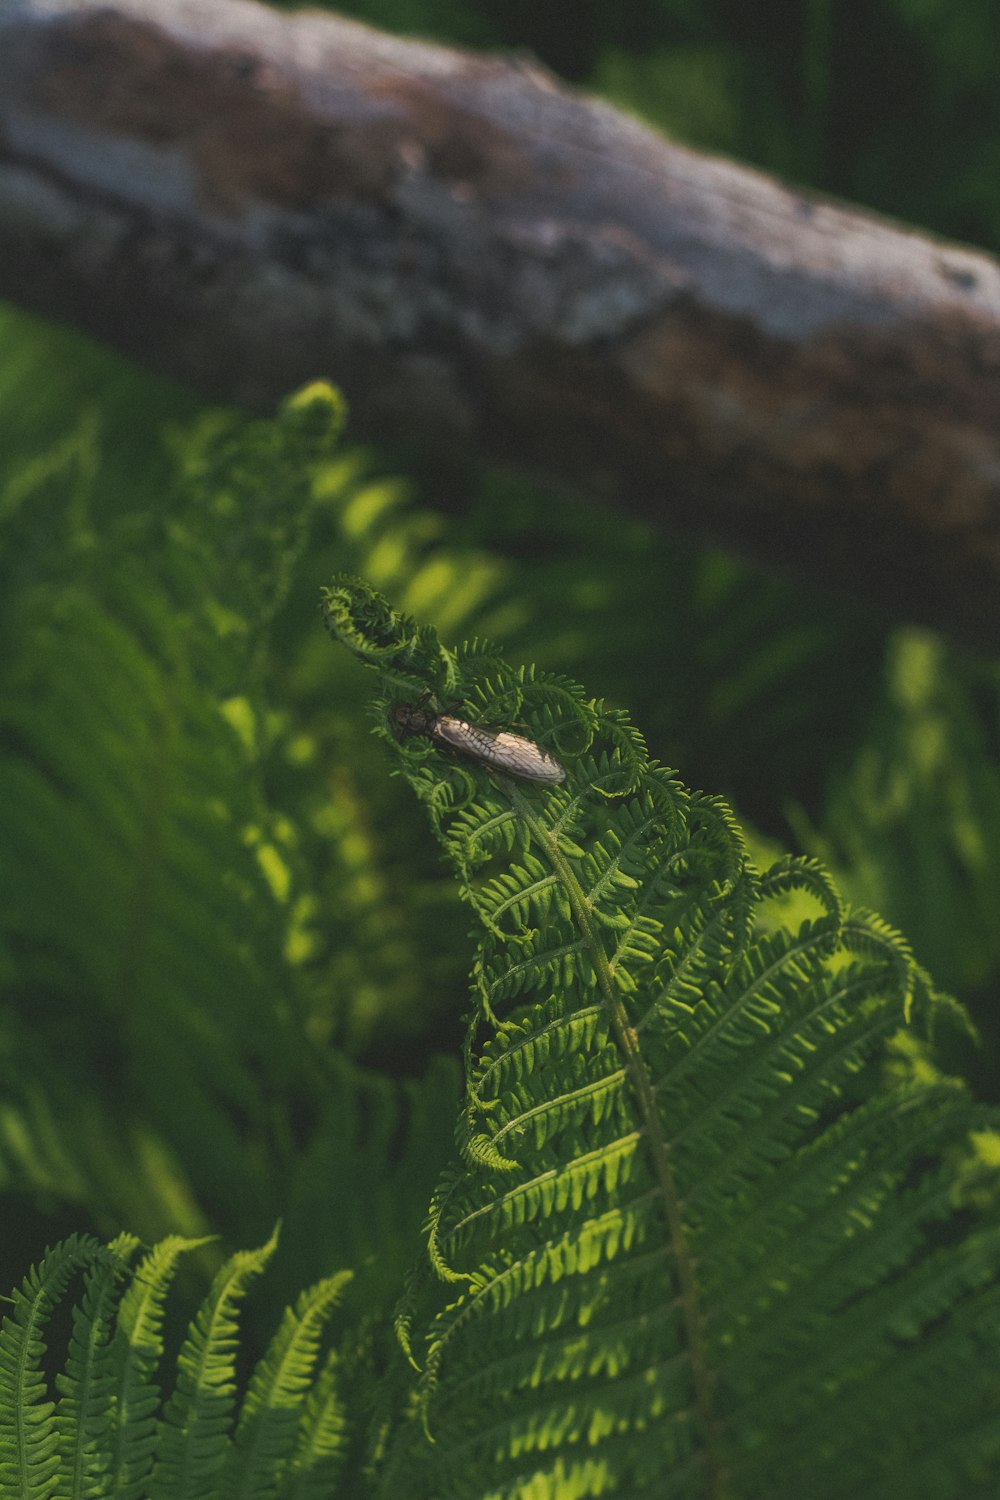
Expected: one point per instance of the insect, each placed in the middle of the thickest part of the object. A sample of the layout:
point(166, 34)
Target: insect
point(497, 748)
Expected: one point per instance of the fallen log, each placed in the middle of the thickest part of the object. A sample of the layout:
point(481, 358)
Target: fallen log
point(491, 264)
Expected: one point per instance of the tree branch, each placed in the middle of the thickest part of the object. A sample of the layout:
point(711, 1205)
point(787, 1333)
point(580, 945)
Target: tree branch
point(493, 264)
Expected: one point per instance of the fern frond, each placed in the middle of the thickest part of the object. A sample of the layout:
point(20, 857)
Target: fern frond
point(29, 1432)
point(87, 1386)
point(275, 1406)
point(407, 656)
point(192, 1438)
point(320, 1449)
point(138, 1348)
point(695, 1216)
point(107, 1438)
point(140, 866)
point(800, 874)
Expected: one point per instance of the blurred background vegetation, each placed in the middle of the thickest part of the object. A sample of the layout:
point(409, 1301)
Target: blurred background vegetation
point(232, 966)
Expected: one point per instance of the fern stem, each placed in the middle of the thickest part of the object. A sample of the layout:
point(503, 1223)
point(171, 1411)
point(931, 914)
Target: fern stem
point(645, 1095)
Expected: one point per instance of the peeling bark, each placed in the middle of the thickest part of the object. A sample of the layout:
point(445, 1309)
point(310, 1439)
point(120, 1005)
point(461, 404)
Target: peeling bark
point(491, 264)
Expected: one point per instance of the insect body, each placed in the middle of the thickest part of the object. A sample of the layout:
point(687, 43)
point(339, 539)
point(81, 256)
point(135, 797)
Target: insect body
point(498, 748)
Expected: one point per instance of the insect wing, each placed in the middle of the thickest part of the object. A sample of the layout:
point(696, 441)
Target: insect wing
point(521, 757)
point(507, 752)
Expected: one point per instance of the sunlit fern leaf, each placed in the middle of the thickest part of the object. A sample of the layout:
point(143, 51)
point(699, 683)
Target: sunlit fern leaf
point(700, 1237)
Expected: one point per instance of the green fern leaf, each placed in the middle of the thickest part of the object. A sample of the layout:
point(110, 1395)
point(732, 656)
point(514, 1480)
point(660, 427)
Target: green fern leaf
point(700, 1237)
point(138, 1348)
point(144, 882)
point(192, 1439)
point(29, 1433)
point(88, 1384)
point(106, 1438)
point(320, 1448)
point(277, 1398)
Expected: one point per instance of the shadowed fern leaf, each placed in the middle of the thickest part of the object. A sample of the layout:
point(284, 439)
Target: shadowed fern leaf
point(192, 1434)
point(146, 887)
point(275, 1408)
point(717, 1227)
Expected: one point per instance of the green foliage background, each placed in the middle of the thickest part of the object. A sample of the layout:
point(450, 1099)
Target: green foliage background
point(231, 963)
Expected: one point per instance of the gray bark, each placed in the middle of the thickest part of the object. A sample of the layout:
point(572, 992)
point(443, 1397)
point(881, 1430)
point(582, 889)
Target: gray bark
point(491, 264)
